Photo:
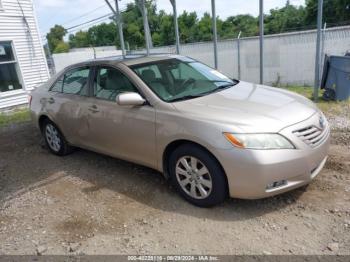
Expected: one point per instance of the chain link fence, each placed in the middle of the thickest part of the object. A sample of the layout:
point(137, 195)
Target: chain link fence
point(289, 57)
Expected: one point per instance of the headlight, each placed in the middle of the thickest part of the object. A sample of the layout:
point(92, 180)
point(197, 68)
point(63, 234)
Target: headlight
point(259, 141)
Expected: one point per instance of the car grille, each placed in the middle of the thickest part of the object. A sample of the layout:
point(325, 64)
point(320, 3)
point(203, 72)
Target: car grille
point(312, 135)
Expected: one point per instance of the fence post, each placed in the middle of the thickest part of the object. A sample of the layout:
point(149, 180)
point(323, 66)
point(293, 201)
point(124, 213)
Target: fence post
point(94, 50)
point(261, 29)
point(318, 43)
point(322, 46)
point(177, 37)
point(215, 35)
point(239, 54)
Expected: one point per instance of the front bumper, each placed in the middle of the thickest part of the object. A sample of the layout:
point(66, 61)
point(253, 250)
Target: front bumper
point(249, 172)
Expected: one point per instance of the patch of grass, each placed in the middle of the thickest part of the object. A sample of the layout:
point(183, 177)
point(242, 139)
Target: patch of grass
point(16, 116)
point(330, 107)
point(306, 91)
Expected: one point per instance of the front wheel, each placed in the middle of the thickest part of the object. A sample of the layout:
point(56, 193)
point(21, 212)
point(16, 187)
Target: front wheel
point(197, 176)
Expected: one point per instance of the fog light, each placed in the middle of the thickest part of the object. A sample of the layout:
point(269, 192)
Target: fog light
point(276, 184)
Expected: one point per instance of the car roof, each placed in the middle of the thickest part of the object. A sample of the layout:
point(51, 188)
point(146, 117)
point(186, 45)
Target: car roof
point(131, 60)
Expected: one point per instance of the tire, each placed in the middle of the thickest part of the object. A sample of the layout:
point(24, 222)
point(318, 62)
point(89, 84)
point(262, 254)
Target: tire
point(54, 139)
point(202, 172)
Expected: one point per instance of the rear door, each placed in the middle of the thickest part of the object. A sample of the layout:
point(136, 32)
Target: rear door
point(127, 132)
point(67, 100)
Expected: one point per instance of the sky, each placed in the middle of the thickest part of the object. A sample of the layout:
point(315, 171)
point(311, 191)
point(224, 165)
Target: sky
point(69, 13)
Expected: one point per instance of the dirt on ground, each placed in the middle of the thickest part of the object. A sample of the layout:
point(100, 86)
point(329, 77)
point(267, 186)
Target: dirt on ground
point(87, 203)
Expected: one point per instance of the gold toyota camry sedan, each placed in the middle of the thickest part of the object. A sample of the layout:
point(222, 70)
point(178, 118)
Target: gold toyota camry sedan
point(211, 136)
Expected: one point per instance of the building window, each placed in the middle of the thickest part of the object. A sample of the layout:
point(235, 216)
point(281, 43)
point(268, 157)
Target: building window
point(9, 70)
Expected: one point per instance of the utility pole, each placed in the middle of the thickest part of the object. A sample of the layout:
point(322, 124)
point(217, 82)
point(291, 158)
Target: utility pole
point(261, 29)
point(318, 45)
point(215, 35)
point(118, 21)
point(239, 54)
point(143, 10)
point(120, 27)
point(177, 37)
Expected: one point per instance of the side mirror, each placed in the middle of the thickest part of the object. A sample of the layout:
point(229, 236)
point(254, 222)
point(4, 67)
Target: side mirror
point(130, 99)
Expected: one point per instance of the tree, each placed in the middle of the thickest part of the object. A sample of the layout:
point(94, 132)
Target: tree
point(335, 12)
point(194, 29)
point(133, 33)
point(55, 36)
point(287, 18)
point(248, 24)
point(188, 25)
point(102, 34)
point(80, 39)
point(61, 47)
point(166, 29)
point(205, 28)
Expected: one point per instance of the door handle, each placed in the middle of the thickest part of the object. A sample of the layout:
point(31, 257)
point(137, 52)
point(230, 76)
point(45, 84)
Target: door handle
point(93, 109)
point(51, 100)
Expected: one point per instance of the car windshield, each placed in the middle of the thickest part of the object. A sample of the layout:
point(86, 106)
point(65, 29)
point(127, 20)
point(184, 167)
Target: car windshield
point(175, 80)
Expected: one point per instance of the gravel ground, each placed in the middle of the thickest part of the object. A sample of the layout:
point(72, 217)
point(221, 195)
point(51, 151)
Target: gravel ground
point(86, 203)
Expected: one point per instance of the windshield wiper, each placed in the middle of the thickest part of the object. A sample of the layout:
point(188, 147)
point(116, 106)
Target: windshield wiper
point(221, 87)
point(184, 98)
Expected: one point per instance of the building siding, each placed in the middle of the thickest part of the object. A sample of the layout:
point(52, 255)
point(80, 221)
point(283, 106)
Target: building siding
point(23, 32)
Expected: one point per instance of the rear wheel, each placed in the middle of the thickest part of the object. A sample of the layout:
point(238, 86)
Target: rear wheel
point(54, 139)
point(197, 176)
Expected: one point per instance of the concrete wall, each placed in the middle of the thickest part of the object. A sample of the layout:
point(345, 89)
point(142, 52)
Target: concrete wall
point(289, 57)
point(65, 59)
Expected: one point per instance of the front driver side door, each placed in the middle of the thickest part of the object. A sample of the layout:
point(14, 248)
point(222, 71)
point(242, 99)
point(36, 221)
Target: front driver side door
point(126, 132)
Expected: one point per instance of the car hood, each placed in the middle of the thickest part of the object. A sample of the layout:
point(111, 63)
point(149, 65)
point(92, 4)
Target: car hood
point(249, 107)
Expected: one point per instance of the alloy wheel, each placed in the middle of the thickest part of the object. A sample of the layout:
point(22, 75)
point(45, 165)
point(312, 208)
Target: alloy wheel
point(193, 177)
point(53, 137)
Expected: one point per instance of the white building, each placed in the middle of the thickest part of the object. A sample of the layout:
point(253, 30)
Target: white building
point(22, 59)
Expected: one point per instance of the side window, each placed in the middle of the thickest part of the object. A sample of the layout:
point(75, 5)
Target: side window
point(76, 81)
point(57, 87)
point(109, 82)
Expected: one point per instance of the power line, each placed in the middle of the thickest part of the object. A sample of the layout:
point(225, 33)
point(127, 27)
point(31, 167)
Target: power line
point(90, 21)
point(83, 15)
point(80, 16)
point(87, 26)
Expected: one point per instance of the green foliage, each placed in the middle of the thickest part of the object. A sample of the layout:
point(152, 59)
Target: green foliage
point(247, 24)
point(61, 47)
point(55, 36)
point(133, 26)
point(80, 39)
point(288, 18)
point(102, 34)
point(166, 29)
point(205, 28)
point(194, 29)
point(188, 25)
point(334, 12)
point(328, 107)
point(16, 116)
